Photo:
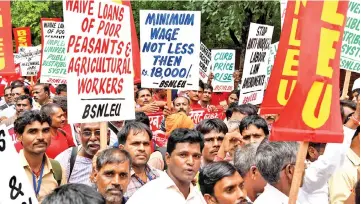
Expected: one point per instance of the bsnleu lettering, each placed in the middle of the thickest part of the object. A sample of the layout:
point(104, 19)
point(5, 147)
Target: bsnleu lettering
point(101, 110)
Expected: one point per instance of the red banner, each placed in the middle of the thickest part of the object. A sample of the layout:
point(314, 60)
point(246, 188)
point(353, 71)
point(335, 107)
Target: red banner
point(285, 70)
point(6, 42)
point(313, 111)
point(196, 115)
point(22, 37)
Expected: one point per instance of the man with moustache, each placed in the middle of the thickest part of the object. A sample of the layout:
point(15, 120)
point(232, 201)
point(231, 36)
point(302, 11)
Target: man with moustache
point(214, 131)
point(33, 131)
point(16, 91)
point(22, 103)
point(41, 94)
point(180, 104)
point(144, 101)
point(183, 158)
point(77, 161)
point(220, 183)
point(135, 138)
point(8, 98)
point(112, 174)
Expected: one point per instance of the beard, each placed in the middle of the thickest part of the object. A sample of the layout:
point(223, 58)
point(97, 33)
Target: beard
point(114, 198)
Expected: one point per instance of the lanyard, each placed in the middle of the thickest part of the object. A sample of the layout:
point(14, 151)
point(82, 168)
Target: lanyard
point(37, 187)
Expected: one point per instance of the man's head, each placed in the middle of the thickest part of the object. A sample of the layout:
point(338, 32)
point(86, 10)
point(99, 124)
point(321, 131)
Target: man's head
point(18, 90)
point(207, 93)
point(7, 95)
point(233, 97)
point(143, 96)
point(253, 129)
point(33, 131)
point(112, 174)
point(183, 156)
point(41, 93)
point(135, 138)
point(276, 162)
point(347, 108)
point(140, 117)
point(62, 102)
point(220, 183)
point(238, 112)
point(213, 131)
point(244, 161)
point(23, 103)
point(162, 93)
point(193, 95)
point(74, 193)
point(61, 90)
point(90, 137)
point(56, 113)
point(315, 150)
point(182, 104)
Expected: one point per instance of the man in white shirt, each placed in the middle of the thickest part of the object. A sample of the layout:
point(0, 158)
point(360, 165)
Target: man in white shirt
point(276, 163)
point(16, 91)
point(183, 158)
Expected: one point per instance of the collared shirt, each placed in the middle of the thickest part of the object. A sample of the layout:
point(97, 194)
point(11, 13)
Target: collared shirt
point(271, 195)
point(315, 186)
point(81, 170)
point(164, 191)
point(48, 183)
point(8, 112)
point(344, 179)
point(136, 183)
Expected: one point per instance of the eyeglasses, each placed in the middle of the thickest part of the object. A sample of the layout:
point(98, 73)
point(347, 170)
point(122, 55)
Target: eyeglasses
point(90, 133)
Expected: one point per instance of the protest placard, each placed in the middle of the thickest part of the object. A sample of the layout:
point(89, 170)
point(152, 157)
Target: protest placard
point(22, 37)
point(283, 4)
point(6, 42)
point(255, 64)
point(350, 51)
point(30, 66)
point(14, 186)
point(170, 45)
point(99, 61)
point(223, 62)
point(204, 63)
point(53, 63)
point(271, 59)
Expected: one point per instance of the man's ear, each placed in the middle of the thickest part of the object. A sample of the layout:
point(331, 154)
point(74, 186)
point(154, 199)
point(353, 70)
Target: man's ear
point(167, 158)
point(253, 171)
point(121, 146)
point(209, 199)
point(19, 137)
point(93, 176)
point(290, 170)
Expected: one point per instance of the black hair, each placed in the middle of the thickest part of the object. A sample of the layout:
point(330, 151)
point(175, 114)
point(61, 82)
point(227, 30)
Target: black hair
point(134, 126)
point(229, 111)
point(356, 133)
point(45, 87)
point(141, 89)
point(317, 146)
point(60, 88)
point(74, 193)
point(254, 120)
point(207, 125)
point(26, 89)
point(6, 88)
point(62, 102)
point(245, 109)
point(28, 117)
point(140, 117)
point(357, 190)
point(212, 173)
point(201, 84)
point(207, 86)
point(346, 103)
point(17, 83)
point(111, 156)
point(184, 135)
point(25, 97)
point(48, 109)
point(139, 85)
point(237, 92)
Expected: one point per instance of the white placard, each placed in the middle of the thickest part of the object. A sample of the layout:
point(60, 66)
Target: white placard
point(99, 61)
point(255, 64)
point(271, 59)
point(204, 63)
point(53, 63)
point(223, 63)
point(170, 46)
point(283, 5)
point(29, 60)
point(15, 186)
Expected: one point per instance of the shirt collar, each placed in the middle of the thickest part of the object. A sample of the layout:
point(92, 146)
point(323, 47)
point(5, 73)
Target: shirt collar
point(352, 156)
point(169, 183)
point(274, 192)
point(24, 162)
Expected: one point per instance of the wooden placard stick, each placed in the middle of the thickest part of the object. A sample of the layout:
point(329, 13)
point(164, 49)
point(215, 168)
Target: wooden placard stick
point(346, 85)
point(103, 135)
point(298, 173)
point(169, 98)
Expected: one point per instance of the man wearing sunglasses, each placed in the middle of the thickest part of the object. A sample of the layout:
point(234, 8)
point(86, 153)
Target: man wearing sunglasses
point(77, 161)
point(8, 98)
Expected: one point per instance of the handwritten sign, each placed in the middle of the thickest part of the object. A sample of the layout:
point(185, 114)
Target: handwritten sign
point(204, 63)
point(350, 50)
point(255, 64)
point(22, 37)
point(53, 65)
point(223, 62)
point(271, 59)
point(99, 61)
point(196, 115)
point(30, 66)
point(169, 44)
point(14, 186)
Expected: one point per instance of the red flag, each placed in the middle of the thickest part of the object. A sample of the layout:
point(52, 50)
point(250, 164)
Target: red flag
point(6, 42)
point(22, 37)
point(313, 111)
